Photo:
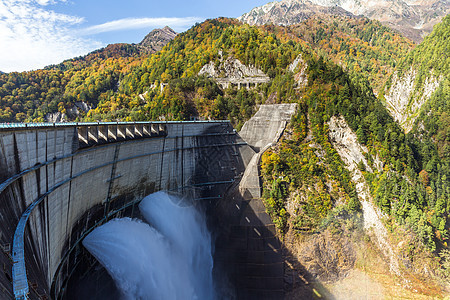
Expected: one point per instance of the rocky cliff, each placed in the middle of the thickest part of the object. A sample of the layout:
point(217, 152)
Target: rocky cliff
point(70, 113)
point(231, 71)
point(418, 76)
point(413, 18)
point(352, 153)
point(403, 102)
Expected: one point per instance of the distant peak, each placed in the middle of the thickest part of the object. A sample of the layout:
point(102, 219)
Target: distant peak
point(158, 38)
point(413, 18)
point(167, 28)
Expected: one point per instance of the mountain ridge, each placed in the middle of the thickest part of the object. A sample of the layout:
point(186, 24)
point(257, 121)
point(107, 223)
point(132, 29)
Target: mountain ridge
point(414, 19)
point(151, 43)
point(289, 12)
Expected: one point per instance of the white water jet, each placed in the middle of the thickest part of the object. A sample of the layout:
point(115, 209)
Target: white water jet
point(171, 260)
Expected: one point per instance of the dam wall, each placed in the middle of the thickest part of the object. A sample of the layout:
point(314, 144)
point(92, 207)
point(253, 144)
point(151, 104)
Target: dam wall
point(58, 182)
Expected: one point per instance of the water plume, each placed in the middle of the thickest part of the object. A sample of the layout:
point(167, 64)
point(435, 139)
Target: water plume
point(169, 259)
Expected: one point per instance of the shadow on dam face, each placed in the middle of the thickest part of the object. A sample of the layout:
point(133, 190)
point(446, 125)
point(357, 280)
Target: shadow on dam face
point(93, 282)
point(249, 260)
point(88, 279)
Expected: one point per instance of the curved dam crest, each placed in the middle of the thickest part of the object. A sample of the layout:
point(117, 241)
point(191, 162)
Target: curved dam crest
point(76, 180)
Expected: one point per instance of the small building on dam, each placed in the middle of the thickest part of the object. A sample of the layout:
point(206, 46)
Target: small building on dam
point(60, 181)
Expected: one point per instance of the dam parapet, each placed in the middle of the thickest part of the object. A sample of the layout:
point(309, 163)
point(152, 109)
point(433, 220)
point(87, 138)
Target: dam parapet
point(59, 181)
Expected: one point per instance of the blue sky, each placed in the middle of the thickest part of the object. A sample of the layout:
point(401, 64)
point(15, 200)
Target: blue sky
point(36, 33)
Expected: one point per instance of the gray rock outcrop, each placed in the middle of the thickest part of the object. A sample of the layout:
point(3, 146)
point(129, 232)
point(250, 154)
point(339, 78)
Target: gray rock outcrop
point(351, 152)
point(71, 113)
point(298, 67)
point(157, 39)
point(404, 98)
point(232, 71)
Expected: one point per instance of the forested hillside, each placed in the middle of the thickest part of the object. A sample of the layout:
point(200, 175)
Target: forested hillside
point(188, 95)
point(307, 188)
point(418, 76)
point(31, 96)
point(116, 75)
point(363, 47)
point(412, 188)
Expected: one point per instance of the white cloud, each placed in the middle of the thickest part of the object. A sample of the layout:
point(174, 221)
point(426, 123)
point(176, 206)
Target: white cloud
point(32, 36)
point(177, 24)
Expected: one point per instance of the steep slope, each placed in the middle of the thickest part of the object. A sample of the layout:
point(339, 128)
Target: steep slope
point(323, 173)
point(363, 47)
point(414, 19)
point(419, 75)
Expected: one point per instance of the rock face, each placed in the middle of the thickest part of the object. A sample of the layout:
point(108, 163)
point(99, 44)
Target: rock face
point(403, 103)
point(232, 71)
point(298, 67)
point(418, 76)
point(56, 117)
point(157, 39)
point(413, 18)
point(288, 12)
point(71, 113)
point(351, 152)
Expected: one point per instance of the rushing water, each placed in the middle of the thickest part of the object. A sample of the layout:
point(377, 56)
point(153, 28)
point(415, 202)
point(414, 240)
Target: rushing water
point(169, 259)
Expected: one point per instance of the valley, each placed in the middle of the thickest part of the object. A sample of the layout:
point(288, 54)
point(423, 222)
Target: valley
point(355, 187)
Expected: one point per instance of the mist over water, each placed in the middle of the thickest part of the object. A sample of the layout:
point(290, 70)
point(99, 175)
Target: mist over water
point(169, 259)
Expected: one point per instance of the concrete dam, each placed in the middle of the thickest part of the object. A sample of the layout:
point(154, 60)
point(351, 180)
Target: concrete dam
point(60, 181)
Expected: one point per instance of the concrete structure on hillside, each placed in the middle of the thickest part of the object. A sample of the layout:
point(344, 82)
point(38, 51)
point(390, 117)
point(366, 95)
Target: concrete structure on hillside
point(262, 131)
point(59, 181)
point(248, 247)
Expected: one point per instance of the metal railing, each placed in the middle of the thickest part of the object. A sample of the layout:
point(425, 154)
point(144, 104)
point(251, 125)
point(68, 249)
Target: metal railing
point(74, 124)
